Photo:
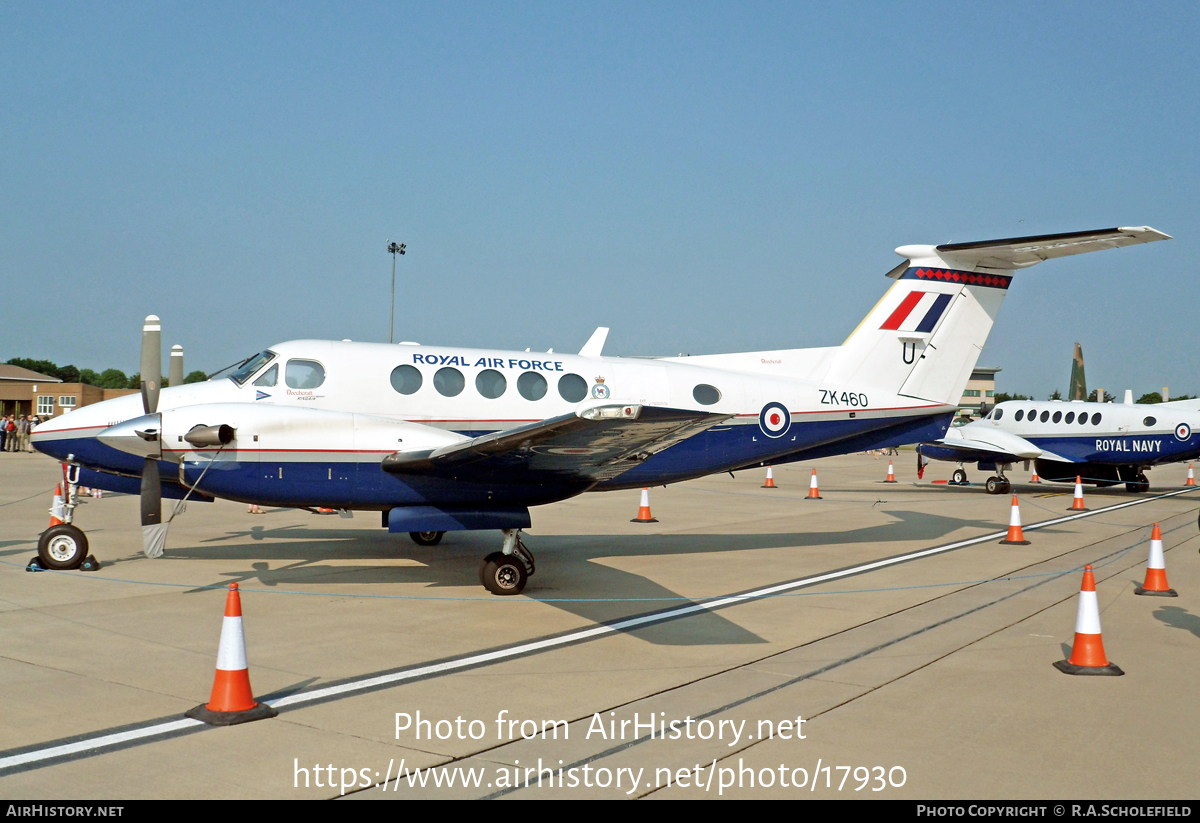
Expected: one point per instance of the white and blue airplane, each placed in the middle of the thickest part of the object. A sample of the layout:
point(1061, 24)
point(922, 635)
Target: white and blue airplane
point(441, 438)
point(1100, 443)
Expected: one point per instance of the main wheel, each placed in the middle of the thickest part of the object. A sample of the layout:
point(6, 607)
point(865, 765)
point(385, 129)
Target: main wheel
point(62, 547)
point(994, 485)
point(1141, 484)
point(960, 476)
point(503, 574)
point(426, 538)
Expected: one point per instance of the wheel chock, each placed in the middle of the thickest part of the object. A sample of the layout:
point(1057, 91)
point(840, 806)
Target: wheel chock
point(35, 565)
point(90, 564)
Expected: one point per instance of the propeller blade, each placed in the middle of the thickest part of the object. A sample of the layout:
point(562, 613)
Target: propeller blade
point(175, 370)
point(154, 531)
point(151, 363)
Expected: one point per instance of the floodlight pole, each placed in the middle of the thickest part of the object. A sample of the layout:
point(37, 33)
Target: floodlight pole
point(394, 248)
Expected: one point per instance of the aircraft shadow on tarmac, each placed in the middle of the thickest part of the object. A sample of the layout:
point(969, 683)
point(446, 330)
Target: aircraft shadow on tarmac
point(570, 566)
point(1176, 617)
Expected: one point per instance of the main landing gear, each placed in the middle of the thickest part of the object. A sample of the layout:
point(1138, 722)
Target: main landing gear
point(1141, 484)
point(426, 538)
point(507, 571)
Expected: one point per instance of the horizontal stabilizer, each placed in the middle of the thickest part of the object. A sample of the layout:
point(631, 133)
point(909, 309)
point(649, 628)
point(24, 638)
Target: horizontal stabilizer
point(1021, 252)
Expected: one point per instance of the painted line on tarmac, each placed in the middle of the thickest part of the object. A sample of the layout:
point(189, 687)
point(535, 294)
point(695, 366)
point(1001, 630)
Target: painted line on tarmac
point(86, 746)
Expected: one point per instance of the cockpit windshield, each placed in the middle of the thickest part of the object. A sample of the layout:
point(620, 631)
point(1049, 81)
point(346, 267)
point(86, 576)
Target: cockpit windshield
point(242, 371)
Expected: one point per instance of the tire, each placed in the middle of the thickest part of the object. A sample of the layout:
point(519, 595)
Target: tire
point(503, 574)
point(960, 476)
point(1005, 487)
point(993, 486)
point(426, 538)
point(1141, 484)
point(62, 547)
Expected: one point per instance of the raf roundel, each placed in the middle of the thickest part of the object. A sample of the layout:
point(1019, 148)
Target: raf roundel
point(1183, 432)
point(774, 420)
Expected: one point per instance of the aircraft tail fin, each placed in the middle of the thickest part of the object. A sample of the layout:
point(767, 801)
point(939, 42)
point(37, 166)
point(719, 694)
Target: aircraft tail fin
point(924, 337)
point(1078, 387)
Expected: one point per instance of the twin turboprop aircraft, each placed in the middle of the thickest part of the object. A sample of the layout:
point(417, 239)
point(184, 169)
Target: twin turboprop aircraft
point(440, 439)
point(1100, 443)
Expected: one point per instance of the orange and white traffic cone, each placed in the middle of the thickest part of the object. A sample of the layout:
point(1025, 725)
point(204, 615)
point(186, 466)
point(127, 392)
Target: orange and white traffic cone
point(56, 508)
point(232, 701)
point(1015, 537)
point(891, 478)
point(813, 492)
point(1077, 503)
point(1087, 655)
point(1156, 570)
point(1034, 478)
point(1191, 481)
point(644, 515)
point(770, 484)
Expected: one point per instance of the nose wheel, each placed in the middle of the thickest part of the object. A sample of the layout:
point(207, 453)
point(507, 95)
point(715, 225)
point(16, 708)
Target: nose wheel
point(507, 571)
point(62, 547)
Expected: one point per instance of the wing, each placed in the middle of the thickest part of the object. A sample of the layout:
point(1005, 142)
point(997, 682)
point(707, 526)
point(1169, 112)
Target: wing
point(973, 442)
point(593, 444)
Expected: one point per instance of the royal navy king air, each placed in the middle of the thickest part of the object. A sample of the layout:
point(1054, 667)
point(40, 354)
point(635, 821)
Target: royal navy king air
point(442, 438)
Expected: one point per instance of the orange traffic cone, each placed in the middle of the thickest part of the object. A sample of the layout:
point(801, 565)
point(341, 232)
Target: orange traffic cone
point(1015, 537)
point(1191, 481)
point(891, 478)
point(1077, 503)
point(232, 701)
point(813, 492)
point(1034, 478)
point(644, 515)
point(56, 508)
point(770, 484)
point(1087, 655)
point(1156, 570)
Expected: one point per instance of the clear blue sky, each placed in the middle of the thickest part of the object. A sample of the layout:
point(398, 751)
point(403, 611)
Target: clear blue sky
point(700, 177)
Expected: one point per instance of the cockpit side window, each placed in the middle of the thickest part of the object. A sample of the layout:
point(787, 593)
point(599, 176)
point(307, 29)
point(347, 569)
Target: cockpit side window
point(269, 378)
point(249, 367)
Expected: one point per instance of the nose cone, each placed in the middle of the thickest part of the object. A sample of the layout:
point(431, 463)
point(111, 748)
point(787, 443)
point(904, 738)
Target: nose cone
point(140, 436)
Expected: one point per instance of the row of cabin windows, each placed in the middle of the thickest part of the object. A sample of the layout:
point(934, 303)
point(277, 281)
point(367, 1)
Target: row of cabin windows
point(1056, 417)
point(450, 382)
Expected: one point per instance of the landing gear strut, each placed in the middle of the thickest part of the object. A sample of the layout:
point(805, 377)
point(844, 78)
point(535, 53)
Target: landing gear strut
point(507, 571)
point(65, 546)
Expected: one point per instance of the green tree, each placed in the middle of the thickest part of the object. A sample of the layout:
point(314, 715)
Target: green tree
point(195, 377)
point(1056, 396)
point(1003, 396)
point(135, 381)
point(1108, 398)
point(112, 379)
point(89, 377)
point(1150, 397)
point(68, 374)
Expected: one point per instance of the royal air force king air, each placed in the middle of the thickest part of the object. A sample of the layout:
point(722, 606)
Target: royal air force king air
point(440, 439)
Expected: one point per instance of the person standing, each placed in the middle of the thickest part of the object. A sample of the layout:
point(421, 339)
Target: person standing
point(30, 424)
point(3, 429)
point(10, 429)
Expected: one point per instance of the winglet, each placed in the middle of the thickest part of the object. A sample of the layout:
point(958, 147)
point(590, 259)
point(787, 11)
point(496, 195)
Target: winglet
point(595, 343)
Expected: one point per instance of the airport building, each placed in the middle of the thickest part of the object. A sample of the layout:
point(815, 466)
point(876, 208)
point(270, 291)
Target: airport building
point(978, 396)
point(25, 392)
